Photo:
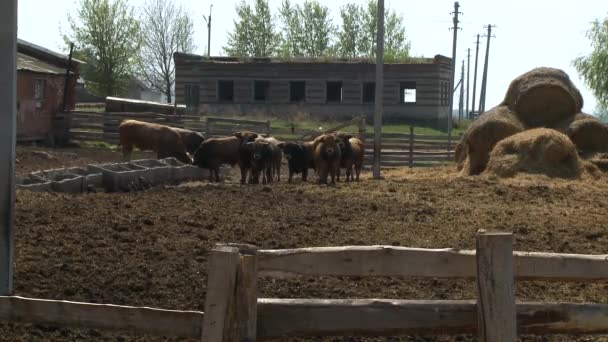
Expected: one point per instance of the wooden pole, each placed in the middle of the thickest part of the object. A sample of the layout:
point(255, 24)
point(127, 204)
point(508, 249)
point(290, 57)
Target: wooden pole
point(496, 314)
point(362, 129)
point(8, 114)
point(475, 76)
point(66, 86)
point(411, 161)
point(454, 42)
point(246, 297)
point(379, 90)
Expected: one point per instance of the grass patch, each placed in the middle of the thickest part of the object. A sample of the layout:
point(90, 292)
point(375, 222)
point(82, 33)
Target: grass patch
point(97, 144)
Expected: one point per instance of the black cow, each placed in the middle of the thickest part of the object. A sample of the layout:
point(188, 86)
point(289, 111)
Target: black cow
point(299, 158)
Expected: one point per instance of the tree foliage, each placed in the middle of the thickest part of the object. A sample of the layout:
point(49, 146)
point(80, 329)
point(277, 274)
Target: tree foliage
point(349, 34)
point(254, 31)
point(594, 67)
point(107, 37)
point(307, 30)
point(166, 29)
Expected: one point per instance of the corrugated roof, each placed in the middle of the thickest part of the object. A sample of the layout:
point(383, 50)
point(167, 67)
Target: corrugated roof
point(29, 63)
point(25, 45)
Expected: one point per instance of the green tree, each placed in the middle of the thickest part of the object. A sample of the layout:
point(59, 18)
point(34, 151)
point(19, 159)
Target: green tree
point(107, 37)
point(396, 45)
point(317, 27)
point(594, 67)
point(349, 34)
point(254, 31)
point(166, 29)
point(292, 31)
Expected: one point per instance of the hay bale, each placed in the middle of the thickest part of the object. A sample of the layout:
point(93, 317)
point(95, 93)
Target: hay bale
point(538, 151)
point(589, 134)
point(543, 97)
point(473, 150)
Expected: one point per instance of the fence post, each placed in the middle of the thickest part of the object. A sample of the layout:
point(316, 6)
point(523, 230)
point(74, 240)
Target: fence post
point(496, 315)
point(411, 161)
point(268, 127)
point(207, 128)
point(362, 128)
point(231, 300)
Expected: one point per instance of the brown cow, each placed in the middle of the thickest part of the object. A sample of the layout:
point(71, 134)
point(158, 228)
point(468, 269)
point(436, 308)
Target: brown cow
point(191, 139)
point(326, 155)
point(214, 152)
point(352, 151)
point(163, 140)
point(277, 154)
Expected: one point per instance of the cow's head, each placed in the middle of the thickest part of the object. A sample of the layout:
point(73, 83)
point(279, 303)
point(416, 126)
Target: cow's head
point(246, 136)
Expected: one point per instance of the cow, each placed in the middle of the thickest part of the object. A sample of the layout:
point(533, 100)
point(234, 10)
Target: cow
point(326, 155)
point(299, 158)
point(352, 153)
point(163, 140)
point(191, 139)
point(277, 155)
point(262, 155)
point(214, 152)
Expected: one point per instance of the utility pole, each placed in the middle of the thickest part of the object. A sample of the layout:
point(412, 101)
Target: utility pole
point(8, 114)
point(468, 77)
point(475, 76)
point(379, 90)
point(454, 41)
point(484, 79)
point(67, 79)
point(208, 20)
point(461, 102)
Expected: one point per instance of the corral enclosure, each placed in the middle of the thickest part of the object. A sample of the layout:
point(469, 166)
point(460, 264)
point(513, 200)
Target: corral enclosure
point(151, 248)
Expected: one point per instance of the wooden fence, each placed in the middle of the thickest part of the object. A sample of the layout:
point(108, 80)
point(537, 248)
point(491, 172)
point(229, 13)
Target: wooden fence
point(398, 149)
point(234, 313)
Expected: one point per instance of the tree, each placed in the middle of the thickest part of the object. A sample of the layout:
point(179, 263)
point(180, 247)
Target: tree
point(107, 37)
point(254, 32)
point(317, 28)
point(291, 42)
point(396, 46)
point(348, 36)
point(166, 29)
point(594, 68)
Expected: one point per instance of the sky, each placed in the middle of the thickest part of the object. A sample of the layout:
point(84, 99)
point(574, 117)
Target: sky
point(528, 33)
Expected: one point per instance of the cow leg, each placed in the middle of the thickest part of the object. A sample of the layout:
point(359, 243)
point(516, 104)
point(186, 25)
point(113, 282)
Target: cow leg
point(358, 171)
point(269, 175)
point(278, 170)
point(243, 174)
point(126, 152)
point(304, 174)
point(332, 173)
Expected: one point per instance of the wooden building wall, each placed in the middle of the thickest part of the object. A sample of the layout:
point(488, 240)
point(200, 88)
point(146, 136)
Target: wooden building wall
point(430, 78)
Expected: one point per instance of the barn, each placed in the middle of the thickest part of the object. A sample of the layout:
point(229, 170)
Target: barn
point(41, 77)
point(329, 89)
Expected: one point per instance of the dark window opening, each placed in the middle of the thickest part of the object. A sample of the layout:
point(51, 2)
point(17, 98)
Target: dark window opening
point(445, 93)
point(408, 92)
point(369, 92)
point(192, 95)
point(297, 91)
point(225, 91)
point(261, 90)
point(334, 92)
point(39, 89)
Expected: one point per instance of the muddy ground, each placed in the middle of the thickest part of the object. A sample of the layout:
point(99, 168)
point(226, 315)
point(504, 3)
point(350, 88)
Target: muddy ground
point(150, 248)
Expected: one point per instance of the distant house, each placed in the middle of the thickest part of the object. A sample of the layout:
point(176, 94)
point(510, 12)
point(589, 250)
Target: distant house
point(138, 90)
point(335, 89)
point(41, 76)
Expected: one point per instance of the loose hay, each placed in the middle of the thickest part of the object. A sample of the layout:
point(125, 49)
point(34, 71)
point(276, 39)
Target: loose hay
point(539, 151)
point(589, 134)
point(496, 124)
point(543, 97)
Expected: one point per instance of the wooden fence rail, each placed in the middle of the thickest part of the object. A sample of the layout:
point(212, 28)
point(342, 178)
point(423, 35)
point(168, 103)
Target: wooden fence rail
point(234, 313)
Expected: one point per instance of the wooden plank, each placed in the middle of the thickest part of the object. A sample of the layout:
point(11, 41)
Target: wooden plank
point(215, 120)
point(101, 316)
point(219, 301)
point(280, 318)
point(496, 315)
point(420, 262)
point(245, 317)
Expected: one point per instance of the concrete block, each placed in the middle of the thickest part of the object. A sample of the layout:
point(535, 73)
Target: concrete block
point(181, 172)
point(92, 178)
point(118, 177)
point(33, 184)
point(61, 180)
point(156, 172)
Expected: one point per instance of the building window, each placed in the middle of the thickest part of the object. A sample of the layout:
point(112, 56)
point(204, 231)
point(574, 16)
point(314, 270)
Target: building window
point(369, 92)
point(407, 92)
point(297, 91)
point(39, 89)
point(192, 95)
point(261, 90)
point(333, 91)
point(225, 91)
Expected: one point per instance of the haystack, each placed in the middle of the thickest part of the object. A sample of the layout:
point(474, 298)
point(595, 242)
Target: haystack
point(537, 151)
point(543, 97)
point(472, 152)
point(589, 134)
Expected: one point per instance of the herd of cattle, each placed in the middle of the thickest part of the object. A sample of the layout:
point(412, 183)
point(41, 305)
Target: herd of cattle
point(257, 155)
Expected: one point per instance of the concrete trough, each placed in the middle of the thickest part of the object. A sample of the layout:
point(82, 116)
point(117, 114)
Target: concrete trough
point(61, 180)
point(31, 184)
point(181, 172)
point(156, 172)
point(92, 178)
point(119, 177)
